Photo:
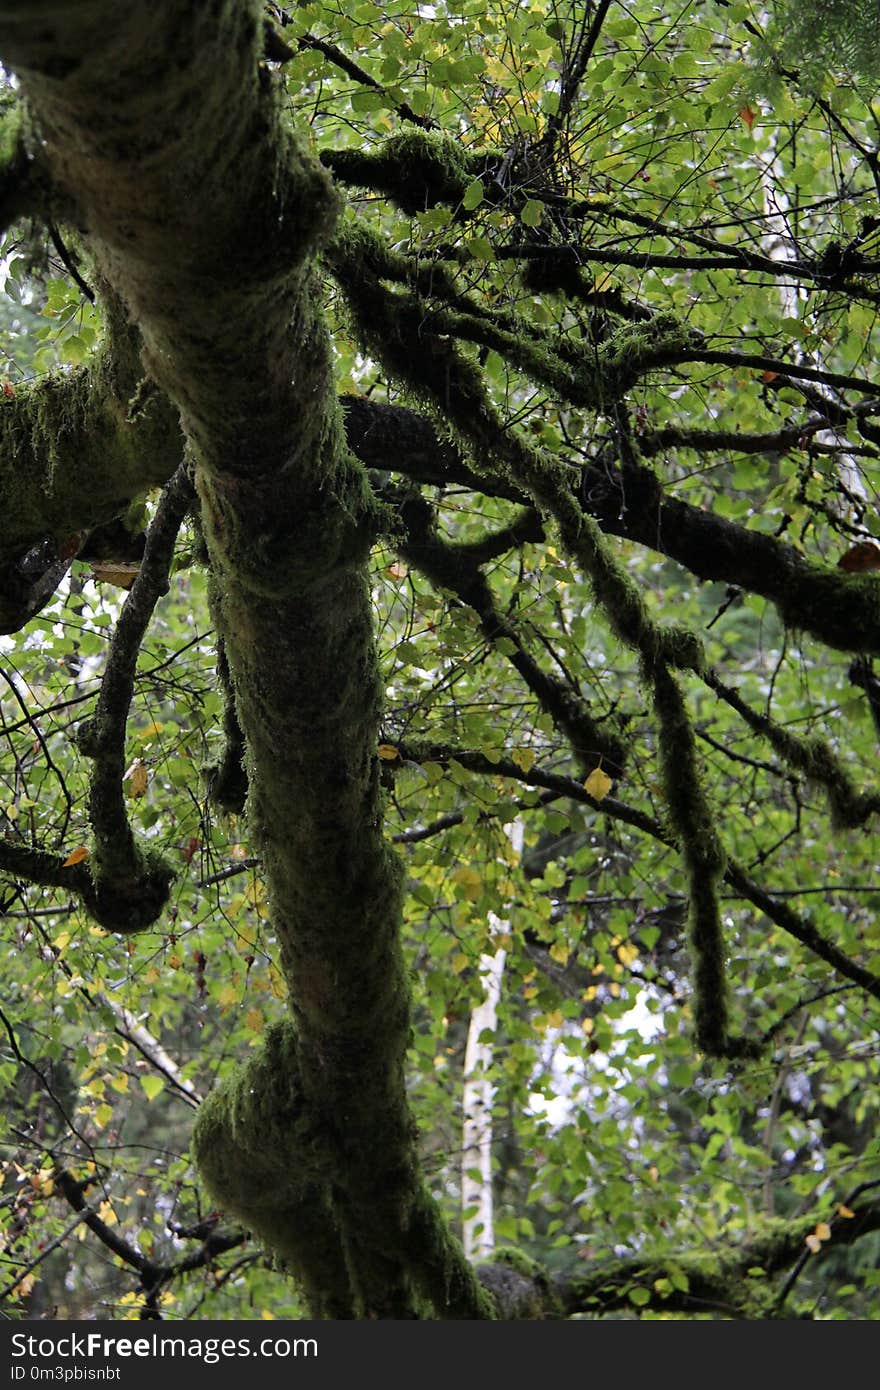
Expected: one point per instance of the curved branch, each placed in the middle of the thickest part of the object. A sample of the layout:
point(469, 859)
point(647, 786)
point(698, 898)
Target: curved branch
point(458, 569)
point(131, 883)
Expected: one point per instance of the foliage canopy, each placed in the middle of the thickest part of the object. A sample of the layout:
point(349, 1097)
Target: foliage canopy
point(440, 571)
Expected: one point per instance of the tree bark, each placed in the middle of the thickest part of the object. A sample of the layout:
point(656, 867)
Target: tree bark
point(201, 210)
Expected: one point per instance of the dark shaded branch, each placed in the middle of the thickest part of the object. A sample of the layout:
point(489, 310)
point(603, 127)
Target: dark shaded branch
point(802, 930)
point(453, 818)
point(31, 865)
point(131, 882)
point(574, 67)
point(341, 60)
point(393, 437)
point(153, 1275)
point(458, 570)
point(812, 757)
point(226, 780)
point(796, 436)
point(841, 610)
point(419, 751)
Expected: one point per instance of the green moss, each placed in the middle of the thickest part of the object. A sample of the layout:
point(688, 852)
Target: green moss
point(56, 436)
point(134, 899)
point(255, 1140)
point(813, 757)
point(416, 170)
point(841, 609)
point(694, 823)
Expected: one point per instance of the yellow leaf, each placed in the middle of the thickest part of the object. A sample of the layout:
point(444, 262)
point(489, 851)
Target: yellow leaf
point(460, 962)
point(175, 960)
point(45, 1183)
point(587, 1026)
point(61, 940)
point(107, 1214)
point(120, 1083)
point(845, 1212)
point(120, 574)
point(388, 752)
point(560, 953)
point(626, 954)
point(253, 1020)
point(150, 731)
point(823, 1231)
point(469, 880)
point(76, 856)
point(598, 784)
point(814, 1243)
point(228, 996)
point(554, 1019)
point(138, 778)
point(103, 1115)
point(524, 759)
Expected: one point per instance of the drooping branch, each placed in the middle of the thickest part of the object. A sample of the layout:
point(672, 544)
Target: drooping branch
point(131, 882)
point(459, 570)
point(813, 757)
point(392, 328)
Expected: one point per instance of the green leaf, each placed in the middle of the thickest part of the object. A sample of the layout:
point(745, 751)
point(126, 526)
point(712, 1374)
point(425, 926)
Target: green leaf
point(152, 1085)
point(473, 195)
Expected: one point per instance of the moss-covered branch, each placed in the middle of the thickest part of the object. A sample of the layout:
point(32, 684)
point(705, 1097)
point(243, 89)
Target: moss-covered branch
point(742, 1280)
point(29, 864)
point(458, 569)
point(131, 881)
point(812, 757)
point(225, 294)
point(839, 609)
point(74, 455)
point(393, 329)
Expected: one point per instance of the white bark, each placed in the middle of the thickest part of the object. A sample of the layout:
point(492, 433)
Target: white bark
point(478, 1234)
point(779, 245)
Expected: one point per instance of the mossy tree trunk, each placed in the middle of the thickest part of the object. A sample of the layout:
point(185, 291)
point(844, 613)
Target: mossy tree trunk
point(161, 135)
